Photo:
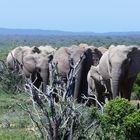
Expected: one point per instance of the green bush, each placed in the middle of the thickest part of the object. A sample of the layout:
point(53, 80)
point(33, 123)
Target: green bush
point(131, 125)
point(10, 81)
point(120, 120)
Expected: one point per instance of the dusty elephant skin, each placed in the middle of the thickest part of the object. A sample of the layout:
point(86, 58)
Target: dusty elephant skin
point(120, 64)
point(31, 64)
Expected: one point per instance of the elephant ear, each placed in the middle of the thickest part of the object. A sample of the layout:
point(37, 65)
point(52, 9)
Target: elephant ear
point(134, 59)
point(18, 54)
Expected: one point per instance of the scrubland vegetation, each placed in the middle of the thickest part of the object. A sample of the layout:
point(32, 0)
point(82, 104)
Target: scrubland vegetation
point(117, 120)
point(59, 41)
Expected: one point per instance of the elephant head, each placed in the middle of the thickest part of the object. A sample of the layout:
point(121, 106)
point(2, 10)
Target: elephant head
point(96, 55)
point(61, 60)
point(36, 66)
point(120, 64)
point(31, 64)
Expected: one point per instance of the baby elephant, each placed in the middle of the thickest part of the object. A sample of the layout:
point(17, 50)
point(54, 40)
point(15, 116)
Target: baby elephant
point(96, 85)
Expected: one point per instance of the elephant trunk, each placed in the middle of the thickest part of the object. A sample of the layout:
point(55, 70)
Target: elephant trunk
point(45, 78)
point(77, 85)
point(115, 82)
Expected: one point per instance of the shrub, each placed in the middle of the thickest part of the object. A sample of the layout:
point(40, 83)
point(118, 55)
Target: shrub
point(120, 119)
point(131, 126)
point(10, 81)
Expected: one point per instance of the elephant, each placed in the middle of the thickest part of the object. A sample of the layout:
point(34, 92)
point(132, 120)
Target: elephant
point(90, 56)
point(37, 66)
point(31, 63)
point(120, 65)
point(97, 86)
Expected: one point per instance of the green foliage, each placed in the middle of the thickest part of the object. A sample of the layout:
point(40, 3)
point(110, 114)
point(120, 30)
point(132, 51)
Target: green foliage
point(59, 41)
point(120, 120)
point(132, 125)
point(136, 87)
point(10, 81)
point(16, 134)
point(3, 53)
point(88, 126)
point(20, 125)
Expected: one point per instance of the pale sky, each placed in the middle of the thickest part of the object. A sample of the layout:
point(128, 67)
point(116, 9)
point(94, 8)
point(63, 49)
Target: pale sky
point(71, 15)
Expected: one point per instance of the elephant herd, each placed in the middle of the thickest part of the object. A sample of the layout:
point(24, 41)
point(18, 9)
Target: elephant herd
point(99, 71)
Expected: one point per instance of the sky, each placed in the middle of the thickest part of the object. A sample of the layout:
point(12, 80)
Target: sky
point(71, 15)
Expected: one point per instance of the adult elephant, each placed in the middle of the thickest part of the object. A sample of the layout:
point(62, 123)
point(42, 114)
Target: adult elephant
point(120, 64)
point(97, 86)
point(31, 63)
point(89, 56)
